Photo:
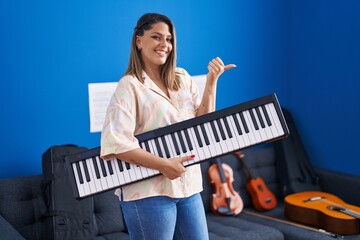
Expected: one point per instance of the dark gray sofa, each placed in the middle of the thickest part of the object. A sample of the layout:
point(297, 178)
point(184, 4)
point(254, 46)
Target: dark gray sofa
point(20, 201)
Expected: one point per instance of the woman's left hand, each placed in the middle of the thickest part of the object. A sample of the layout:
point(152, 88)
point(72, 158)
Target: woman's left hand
point(216, 67)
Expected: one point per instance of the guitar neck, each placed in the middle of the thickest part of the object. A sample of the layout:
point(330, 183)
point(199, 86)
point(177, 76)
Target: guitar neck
point(241, 156)
point(339, 208)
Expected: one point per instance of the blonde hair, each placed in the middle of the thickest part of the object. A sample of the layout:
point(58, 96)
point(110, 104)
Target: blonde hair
point(136, 63)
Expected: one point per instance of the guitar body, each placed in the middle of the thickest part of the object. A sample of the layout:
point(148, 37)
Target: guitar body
point(323, 210)
point(262, 198)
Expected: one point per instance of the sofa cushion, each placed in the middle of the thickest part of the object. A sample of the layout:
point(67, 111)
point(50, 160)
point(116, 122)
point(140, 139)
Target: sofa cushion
point(235, 228)
point(7, 231)
point(21, 204)
point(107, 214)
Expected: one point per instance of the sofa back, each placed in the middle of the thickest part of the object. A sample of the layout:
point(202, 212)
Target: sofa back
point(21, 204)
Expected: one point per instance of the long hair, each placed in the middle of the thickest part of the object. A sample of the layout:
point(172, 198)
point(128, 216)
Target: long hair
point(136, 63)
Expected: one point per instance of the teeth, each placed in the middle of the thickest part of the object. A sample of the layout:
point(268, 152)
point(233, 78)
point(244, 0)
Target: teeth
point(161, 52)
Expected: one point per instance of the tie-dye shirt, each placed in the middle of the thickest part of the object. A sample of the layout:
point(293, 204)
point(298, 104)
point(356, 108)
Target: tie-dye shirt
point(136, 108)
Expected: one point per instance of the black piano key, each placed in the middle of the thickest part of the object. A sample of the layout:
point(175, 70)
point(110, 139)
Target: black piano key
point(86, 170)
point(212, 124)
point(227, 127)
point(198, 138)
point(103, 170)
point(182, 143)
point(266, 115)
point(127, 165)
point(253, 119)
point(167, 152)
point(147, 147)
point(187, 136)
point(157, 144)
point(175, 143)
point(110, 168)
point(206, 138)
point(120, 165)
point(222, 133)
point(246, 128)
point(262, 124)
point(97, 173)
point(78, 169)
point(237, 124)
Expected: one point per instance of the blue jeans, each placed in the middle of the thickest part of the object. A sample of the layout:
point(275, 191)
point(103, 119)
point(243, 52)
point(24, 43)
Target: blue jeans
point(164, 218)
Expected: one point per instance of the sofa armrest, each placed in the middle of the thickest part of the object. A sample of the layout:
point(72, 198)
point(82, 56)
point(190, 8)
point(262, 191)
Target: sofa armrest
point(8, 231)
point(344, 186)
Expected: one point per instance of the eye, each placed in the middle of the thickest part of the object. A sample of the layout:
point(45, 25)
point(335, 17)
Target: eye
point(169, 40)
point(156, 37)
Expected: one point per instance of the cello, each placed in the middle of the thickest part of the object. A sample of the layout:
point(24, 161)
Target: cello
point(225, 201)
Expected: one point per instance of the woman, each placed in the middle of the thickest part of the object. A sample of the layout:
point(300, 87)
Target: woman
point(153, 93)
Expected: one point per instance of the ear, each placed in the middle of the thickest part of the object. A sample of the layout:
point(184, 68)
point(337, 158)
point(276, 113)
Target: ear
point(138, 42)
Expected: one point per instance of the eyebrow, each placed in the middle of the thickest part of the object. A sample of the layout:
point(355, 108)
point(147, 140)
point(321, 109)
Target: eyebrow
point(169, 35)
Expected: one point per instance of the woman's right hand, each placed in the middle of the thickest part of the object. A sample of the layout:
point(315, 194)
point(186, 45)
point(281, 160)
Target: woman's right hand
point(174, 168)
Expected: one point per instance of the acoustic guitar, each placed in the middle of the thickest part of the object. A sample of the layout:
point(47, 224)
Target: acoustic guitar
point(323, 210)
point(262, 198)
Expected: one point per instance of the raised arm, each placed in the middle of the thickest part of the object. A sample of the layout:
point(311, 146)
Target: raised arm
point(216, 67)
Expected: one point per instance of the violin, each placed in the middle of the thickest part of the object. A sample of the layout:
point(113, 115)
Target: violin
point(225, 201)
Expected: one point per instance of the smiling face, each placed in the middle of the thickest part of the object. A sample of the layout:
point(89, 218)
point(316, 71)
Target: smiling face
point(155, 45)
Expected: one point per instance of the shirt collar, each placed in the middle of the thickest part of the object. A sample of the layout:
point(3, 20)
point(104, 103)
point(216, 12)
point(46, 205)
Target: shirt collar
point(151, 85)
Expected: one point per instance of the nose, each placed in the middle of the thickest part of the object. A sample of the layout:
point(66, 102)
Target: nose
point(163, 42)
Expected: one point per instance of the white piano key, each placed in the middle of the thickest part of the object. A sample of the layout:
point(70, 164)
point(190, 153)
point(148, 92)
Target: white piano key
point(108, 176)
point(86, 186)
point(205, 147)
point(103, 181)
point(268, 132)
point(275, 120)
point(153, 149)
point(239, 137)
point(170, 146)
point(228, 140)
point(94, 179)
point(182, 154)
point(223, 145)
point(261, 130)
point(236, 137)
point(253, 133)
point(126, 172)
point(80, 186)
point(162, 148)
point(201, 152)
point(117, 171)
point(151, 143)
point(92, 183)
point(248, 137)
point(137, 171)
point(114, 175)
point(213, 144)
point(188, 151)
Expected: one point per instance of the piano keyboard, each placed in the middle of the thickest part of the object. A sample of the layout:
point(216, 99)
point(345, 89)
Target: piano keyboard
point(208, 136)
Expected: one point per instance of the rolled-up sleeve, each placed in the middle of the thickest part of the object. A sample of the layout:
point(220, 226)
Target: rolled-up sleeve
point(117, 135)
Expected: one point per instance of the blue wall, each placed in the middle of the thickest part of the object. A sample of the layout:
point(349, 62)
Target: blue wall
point(324, 80)
point(307, 53)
